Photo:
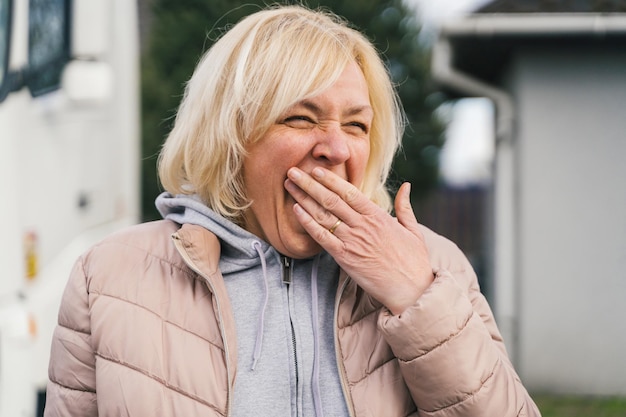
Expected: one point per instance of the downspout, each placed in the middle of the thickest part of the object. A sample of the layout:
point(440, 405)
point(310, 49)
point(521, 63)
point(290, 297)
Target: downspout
point(445, 73)
point(505, 282)
point(547, 24)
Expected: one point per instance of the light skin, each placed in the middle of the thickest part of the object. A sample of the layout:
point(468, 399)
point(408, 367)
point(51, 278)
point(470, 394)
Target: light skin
point(304, 175)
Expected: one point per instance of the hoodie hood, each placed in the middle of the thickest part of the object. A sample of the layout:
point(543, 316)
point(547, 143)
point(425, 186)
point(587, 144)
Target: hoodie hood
point(238, 251)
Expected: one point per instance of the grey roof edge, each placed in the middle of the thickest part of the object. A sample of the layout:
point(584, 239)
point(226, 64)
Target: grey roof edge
point(536, 24)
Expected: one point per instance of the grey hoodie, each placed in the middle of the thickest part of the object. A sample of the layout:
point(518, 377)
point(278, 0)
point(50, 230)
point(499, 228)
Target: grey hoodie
point(284, 313)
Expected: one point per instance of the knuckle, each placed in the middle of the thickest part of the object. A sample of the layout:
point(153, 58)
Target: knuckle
point(330, 202)
point(320, 235)
point(322, 217)
point(351, 194)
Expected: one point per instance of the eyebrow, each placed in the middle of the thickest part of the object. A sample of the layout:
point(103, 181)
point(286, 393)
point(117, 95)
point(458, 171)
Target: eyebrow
point(351, 111)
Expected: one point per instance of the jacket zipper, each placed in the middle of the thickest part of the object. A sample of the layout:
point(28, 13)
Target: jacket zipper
point(181, 250)
point(287, 279)
point(340, 365)
point(287, 273)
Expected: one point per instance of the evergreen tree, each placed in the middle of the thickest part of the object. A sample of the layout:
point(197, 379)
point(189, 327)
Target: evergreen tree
point(182, 30)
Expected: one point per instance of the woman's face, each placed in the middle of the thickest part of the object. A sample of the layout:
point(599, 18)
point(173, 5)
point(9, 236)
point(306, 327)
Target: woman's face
point(330, 130)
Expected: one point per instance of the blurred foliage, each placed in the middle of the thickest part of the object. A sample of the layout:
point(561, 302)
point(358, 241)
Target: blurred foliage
point(572, 406)
point(182, 30)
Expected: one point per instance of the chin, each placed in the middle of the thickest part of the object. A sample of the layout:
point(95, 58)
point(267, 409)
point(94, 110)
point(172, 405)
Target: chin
point(300, 246)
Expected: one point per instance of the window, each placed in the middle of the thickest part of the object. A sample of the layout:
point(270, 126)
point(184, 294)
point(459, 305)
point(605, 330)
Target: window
point(48, 44)
point(5, 32)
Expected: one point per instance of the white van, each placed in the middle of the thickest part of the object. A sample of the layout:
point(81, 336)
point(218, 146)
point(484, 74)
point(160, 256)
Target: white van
point(69, 165)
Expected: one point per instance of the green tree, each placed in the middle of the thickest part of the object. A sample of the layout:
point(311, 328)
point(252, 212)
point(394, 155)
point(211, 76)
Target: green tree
point(182, 30)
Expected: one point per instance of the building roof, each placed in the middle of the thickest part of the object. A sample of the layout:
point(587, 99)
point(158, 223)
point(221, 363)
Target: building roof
point(482, 43)
point(554, 6)
point(471, 54)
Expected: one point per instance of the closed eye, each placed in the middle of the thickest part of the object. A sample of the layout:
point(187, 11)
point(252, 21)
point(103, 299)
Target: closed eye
point(361, 126)
point(298, 121)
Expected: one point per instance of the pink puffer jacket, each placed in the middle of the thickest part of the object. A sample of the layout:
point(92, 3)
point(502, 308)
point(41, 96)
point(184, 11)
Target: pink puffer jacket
point(146, 329)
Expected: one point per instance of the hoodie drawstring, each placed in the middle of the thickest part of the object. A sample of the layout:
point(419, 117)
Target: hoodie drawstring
point(258, 344)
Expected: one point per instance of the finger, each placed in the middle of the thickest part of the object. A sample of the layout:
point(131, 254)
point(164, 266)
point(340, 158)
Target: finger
point(404, 210)
point(320, 202)
point(342, 192)
point(322, 235)
point(345, 190)
point(335, 226)
point(322, 216)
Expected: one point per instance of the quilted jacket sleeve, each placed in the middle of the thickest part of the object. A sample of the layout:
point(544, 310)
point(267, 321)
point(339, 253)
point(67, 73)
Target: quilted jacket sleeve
point(451, 354)
point(71, 387)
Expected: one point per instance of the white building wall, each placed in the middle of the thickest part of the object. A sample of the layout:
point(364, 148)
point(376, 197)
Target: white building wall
point(571, 219)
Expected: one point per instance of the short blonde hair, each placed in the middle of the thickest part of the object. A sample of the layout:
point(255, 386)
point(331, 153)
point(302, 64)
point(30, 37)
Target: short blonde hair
point(265, 64)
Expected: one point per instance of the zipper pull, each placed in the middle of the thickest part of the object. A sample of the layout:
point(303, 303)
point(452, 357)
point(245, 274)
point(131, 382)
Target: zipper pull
point(286, 270)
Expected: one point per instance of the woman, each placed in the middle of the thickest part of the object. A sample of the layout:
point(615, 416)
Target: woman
point(278, 283)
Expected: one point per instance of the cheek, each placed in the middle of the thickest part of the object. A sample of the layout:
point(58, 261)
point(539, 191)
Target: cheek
point(360, 158)
point(265, 170)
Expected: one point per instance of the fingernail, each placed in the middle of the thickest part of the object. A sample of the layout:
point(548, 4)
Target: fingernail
point(294, 174)
point(407, 192)
point(318, 172)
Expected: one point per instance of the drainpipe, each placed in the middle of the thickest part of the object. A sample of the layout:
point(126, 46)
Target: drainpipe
point(505, 282)
point(594, 25)
point(446, 74)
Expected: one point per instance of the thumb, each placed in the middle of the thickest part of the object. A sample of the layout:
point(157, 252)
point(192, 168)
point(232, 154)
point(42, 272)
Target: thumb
point(404, 210)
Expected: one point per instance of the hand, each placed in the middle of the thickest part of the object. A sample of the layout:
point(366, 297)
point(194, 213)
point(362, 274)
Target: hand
point(386, 256)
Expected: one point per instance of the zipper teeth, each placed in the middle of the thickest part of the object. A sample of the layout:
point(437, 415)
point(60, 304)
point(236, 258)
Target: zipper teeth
point(340, 364)
point(192, 265)
point(295, 362)
point(287, 278)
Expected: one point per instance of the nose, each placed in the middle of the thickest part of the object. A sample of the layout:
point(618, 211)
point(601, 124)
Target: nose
point(332, 146)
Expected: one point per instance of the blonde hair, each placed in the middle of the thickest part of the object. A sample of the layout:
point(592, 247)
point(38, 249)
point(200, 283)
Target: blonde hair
point(265, 64)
